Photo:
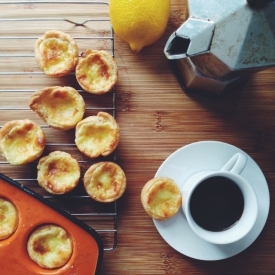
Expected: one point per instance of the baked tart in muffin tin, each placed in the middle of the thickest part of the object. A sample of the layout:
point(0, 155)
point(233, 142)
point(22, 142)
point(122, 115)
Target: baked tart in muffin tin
point(8, 218)
point(50, 246)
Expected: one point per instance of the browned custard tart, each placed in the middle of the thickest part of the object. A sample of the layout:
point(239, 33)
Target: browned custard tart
point(56, 53)
point(105, 181)
point(21, 141)
point(50, 246)
point(161, 198)
point(8, 218)
point(60, 107)
point(97, 135)
point(96, 71)
point(58, 173)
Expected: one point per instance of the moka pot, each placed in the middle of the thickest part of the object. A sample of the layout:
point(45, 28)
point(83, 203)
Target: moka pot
point(221, 44)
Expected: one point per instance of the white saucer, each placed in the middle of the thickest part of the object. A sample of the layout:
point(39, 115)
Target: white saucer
point(209, 155)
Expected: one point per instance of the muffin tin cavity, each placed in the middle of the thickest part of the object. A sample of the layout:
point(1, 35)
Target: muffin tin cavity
point(8, 218)
point(82, 247)
point(50, 246)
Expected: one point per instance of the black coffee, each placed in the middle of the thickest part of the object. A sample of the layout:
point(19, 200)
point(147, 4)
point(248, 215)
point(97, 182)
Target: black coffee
point(216, 204)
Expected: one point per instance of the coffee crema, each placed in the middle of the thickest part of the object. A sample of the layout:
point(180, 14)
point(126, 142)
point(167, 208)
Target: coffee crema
point(216, 204)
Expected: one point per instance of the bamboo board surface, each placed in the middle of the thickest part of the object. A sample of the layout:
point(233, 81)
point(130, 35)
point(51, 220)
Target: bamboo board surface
point(156, 118)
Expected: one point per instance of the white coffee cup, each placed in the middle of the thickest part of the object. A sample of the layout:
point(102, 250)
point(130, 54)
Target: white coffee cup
point(231, 171)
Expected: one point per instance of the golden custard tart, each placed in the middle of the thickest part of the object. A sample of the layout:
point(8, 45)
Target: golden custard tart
point(58, 173)
point(50, 246)
point(60, 107)
point(8, 218)
point(161, 198)
point(56, 53)
point(96, 71)
point(105, 181)
point(21, 141)
point(97, 135)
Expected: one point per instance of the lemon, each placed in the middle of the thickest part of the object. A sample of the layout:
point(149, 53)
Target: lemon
point(139, 22)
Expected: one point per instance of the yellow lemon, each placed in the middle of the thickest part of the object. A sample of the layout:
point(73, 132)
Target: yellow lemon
point(139, 22)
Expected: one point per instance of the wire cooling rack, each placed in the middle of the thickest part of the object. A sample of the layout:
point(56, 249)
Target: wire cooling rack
point(21, 23)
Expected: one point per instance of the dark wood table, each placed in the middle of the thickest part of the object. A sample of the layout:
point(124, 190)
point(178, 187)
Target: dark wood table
point(156, 118)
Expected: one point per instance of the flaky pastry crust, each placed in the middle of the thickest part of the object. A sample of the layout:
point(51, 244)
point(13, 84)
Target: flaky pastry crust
point(97, 135)
point(8, 218)
point(58, 173)
point(50, 246)
point(96, 71)
point(21, 141)
point(161, 198)
point(105, 181)
point(60, 107)
point(56, 53)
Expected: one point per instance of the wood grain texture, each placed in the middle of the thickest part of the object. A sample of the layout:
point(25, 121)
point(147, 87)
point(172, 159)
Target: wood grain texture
point(156, 118)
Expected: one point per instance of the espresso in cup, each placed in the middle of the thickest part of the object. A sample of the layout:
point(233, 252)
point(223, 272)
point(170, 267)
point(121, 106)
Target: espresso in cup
point(216, 204)
point(220, 206)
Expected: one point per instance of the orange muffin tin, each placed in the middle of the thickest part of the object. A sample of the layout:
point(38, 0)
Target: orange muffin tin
point(34, 210)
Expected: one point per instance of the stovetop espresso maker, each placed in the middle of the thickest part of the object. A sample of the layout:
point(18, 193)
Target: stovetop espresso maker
point(221, 44)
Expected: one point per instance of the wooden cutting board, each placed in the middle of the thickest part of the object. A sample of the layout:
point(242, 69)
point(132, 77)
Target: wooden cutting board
point(157, 117)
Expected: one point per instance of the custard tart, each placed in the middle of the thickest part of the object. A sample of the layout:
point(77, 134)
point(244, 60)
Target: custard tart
point(97, 135)
point(58, 172)
point(60, 107)
point(21, 141)
point(8, 218)
point(56, 53)
point(50, 246)
point(105, 181)
point(96, 71)
point(161, 198)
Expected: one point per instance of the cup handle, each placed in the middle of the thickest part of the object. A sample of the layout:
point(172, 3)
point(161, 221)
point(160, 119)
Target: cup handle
point(236, 164)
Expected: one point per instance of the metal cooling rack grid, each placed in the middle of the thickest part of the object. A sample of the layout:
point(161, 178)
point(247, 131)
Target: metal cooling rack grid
point(21, 23)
